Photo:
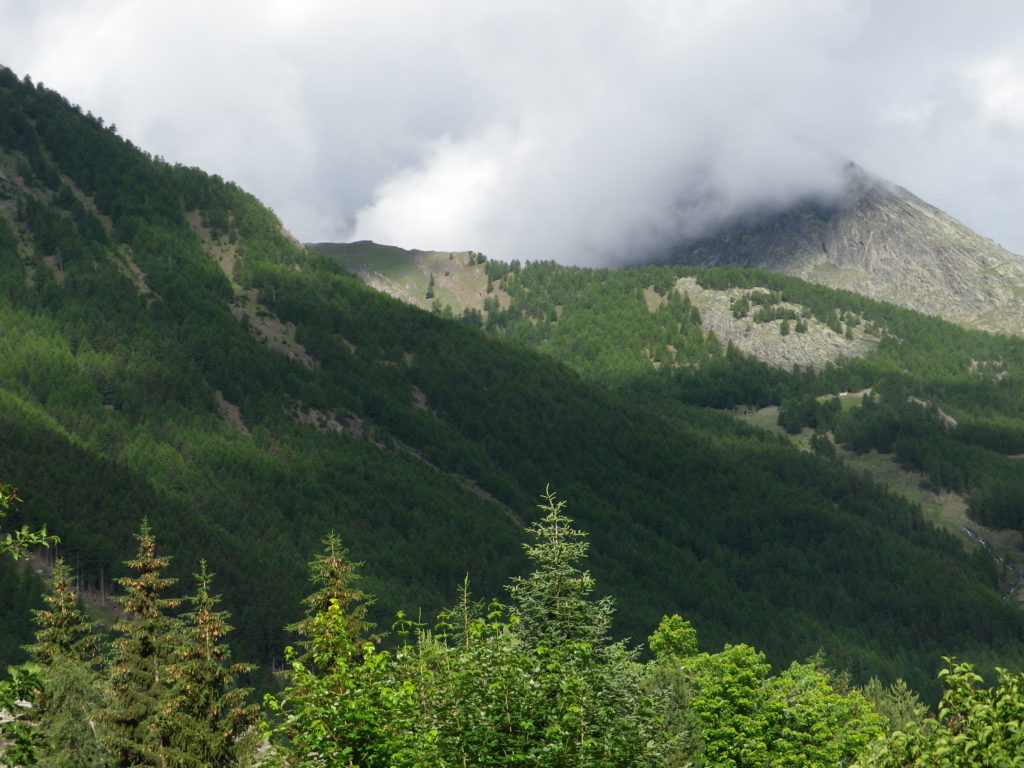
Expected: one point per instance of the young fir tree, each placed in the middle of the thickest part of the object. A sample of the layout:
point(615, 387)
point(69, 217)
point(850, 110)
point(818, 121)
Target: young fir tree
point(541, 683)
point(63, 630)
point(334, 576)
point(140, 714)
point(215, 726)
point(71, 693)
point(553, 603)
point(343, 705)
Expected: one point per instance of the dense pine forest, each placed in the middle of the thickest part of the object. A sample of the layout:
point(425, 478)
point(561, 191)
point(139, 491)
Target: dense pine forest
point(535, 681)
point(171, 355)
point(946, 400)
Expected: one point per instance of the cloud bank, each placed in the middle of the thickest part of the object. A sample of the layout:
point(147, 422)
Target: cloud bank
point(550, 129)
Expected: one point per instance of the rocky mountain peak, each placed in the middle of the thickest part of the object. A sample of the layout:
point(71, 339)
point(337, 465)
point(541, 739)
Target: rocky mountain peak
point(880, 240)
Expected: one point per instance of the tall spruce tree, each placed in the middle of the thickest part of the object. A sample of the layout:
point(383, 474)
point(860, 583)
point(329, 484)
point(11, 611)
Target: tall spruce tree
point(140, 714)
point(343, 705)
point(71, 693)
point(215, 727)
point(540, 682)
point(63, 630)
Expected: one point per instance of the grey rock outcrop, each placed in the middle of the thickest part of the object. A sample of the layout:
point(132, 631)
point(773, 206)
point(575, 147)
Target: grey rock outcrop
point(881, 241)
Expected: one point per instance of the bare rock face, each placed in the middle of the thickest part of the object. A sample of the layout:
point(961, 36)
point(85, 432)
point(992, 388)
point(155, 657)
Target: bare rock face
point(817, 346)
point(879, 240)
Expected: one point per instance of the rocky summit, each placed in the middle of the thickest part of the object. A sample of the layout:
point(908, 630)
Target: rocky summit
point(879, 240)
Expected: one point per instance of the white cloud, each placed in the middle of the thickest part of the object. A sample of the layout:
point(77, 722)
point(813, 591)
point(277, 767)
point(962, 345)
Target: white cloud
point(549, 128)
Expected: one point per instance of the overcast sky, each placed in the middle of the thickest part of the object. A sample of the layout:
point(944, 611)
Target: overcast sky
point(576, 130)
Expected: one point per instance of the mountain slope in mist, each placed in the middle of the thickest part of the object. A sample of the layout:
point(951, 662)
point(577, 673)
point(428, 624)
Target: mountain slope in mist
point(881, 241)
point(170, 353)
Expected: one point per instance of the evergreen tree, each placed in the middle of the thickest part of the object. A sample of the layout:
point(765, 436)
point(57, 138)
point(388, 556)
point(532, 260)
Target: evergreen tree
point(343, 705)
point(553, 603)
point(72, 697)
point(141, 710)
point(540, 683)
point(898, 704)
point(334, 576)
point(215, 727)
point(63, 631)
point(71, 694)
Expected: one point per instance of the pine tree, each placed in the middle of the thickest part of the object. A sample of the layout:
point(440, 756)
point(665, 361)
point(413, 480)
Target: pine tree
point(140, 714)
point(334, 575)
point(71, 694)
point(343, 705)
point(214, 725)
point(63, 631)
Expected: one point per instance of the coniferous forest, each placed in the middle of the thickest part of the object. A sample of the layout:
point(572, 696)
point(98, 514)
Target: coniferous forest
point(218, 424)
point(536, 679)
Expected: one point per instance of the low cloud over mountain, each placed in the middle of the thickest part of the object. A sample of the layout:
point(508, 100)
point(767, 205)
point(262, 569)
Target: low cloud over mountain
point(535, 129)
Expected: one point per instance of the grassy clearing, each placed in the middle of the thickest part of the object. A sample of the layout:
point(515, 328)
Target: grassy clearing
point(459, 282)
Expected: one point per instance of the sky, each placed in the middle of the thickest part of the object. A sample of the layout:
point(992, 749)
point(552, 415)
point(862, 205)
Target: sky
point(584, 131)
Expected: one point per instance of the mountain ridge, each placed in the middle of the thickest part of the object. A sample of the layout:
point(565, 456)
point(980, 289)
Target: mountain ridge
point(878, 239)
point(124, 387)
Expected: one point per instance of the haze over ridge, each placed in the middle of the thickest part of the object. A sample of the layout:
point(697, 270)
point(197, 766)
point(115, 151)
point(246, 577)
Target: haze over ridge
point(536, 130)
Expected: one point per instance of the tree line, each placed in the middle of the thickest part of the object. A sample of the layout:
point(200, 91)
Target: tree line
point(416, 439)
point(535, 680)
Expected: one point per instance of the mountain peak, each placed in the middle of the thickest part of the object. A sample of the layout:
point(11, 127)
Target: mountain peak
point(878, 239)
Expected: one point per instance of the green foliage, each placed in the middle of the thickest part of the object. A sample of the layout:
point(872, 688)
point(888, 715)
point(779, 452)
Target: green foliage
point(974, 725)
point(71, 694)
point(674, 639)
point(334, 575)
point(71, 701)
point(540, 682)
point(729, 710)
point(354, 713)
point(20, 737)
point(213, 724)
point(18, 543)
point(343, 704)
point(139, 715)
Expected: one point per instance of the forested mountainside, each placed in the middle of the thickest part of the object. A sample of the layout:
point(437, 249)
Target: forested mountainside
point(944, 400)
point(169, 352)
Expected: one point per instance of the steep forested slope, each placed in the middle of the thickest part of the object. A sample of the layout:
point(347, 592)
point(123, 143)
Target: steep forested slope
point(945, 400)
point(169, 351)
